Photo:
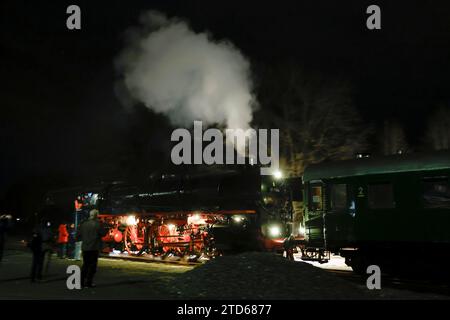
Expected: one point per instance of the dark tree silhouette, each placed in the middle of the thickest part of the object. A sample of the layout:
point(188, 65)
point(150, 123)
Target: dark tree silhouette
point(315, 115)
point(437, 136)
point(393, 138)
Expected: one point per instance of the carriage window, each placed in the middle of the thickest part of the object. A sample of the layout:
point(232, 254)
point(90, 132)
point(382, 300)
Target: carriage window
point(381, 196)
point(436, 194)
point(316, 198)
point(338, 196)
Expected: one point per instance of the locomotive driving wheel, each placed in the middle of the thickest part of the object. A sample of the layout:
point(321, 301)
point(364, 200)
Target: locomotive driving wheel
point(134, 239)
point(165, 236)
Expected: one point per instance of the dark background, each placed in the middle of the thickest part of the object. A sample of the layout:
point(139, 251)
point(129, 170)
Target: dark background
point(62, 125)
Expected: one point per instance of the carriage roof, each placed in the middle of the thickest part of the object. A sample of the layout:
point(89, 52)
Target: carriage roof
point(382, 165)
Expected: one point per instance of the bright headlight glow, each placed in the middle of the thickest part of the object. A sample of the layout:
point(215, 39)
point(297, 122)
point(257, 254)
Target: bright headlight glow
point(171, 226)
point(274, 231)
point(278, 174)
point(238, 219)
point(301, 230)
point(131, 221)
point(196, 219)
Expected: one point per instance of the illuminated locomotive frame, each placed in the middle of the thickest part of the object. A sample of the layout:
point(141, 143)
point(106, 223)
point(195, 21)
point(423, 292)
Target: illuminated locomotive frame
point(198, 215)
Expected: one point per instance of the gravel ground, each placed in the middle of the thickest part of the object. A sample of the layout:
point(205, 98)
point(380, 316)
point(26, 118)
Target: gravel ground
point(115, 279)
point(257, 275)
point(252, 275)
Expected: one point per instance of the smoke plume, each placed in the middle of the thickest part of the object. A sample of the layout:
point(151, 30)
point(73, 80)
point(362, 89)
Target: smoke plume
point(185, 75)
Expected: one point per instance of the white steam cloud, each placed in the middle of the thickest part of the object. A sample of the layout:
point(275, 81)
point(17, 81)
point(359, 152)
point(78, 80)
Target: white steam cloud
point(186, 75)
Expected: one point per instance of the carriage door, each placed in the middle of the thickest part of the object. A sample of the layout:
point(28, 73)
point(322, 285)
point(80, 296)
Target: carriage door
point(314, 220)
point(378, 220)
point(337, 219)
point(436, 209)
point(358, 209)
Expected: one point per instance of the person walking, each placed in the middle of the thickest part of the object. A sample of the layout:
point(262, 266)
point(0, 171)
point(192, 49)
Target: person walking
point(63, 239)
point(91, 233)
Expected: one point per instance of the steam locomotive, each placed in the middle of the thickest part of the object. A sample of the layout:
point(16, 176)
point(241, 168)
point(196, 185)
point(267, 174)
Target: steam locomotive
point(199, 214)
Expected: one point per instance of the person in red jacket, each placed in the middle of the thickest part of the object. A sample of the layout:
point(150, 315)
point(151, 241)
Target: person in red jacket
point(63, 239)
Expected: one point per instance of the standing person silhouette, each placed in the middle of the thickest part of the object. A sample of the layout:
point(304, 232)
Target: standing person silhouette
point(63, 239)
point(289, 244)
point(4, 225)
point(90, 233)
point(40, 245)
point(72, 241)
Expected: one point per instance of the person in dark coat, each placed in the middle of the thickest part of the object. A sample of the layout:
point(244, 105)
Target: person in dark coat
point(2, 237)
point(40, 245)
point(71, 243)
point(4, 225)
point(91, 233)
point(289, 245)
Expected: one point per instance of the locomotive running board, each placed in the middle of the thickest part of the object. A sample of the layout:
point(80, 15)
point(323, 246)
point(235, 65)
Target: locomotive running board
point(150, 260)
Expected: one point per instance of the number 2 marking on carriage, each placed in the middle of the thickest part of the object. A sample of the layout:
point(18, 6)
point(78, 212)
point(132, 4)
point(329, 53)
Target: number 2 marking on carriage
point(361, 192)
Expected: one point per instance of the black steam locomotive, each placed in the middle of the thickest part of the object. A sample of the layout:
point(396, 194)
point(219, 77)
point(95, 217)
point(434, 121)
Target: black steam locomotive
point(202, 213)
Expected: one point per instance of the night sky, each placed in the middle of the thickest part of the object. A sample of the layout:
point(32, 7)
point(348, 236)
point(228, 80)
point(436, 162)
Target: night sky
point(61, 121)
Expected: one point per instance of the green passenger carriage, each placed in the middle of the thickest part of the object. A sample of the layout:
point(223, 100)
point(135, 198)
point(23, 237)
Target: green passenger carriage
point(378, 211)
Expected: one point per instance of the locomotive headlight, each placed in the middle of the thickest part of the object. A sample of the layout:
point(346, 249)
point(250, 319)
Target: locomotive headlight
point(238, 219)
point(131, 221)
point(171, 227)
point(196, 219)
point(301, 230)
point(278, 174)
point(274, 231)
